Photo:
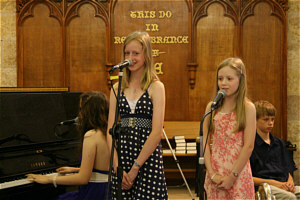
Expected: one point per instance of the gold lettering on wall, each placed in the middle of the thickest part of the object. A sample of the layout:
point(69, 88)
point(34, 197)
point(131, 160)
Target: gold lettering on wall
point(156, 52)
point(159, 39)
point(169, 39)
point(150, 27)
point(119, 40)
point(158, 68)
point(164, 14)
point(142, 14)
point(145, 14)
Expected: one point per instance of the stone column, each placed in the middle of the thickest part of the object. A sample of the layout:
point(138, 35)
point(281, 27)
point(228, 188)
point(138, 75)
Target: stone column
point(293, 83)
point(8, 53)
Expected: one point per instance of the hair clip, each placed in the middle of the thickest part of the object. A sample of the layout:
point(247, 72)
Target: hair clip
point(239, 69)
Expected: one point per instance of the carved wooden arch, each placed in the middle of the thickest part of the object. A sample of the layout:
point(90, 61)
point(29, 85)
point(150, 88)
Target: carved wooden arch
point(100, 11)
point(229, 9)
point(277, 10)
point(25, 9)
point(200, 12)
point(111, 7)
point(189, 4)
point(111, 4)
point(28, 11)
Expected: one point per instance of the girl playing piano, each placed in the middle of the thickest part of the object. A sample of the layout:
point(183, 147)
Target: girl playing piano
point(93, 172)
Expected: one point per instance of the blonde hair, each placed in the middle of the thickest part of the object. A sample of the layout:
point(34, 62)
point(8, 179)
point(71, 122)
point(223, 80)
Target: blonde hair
point(264, 108)
point(241, 94)
point(149, 74)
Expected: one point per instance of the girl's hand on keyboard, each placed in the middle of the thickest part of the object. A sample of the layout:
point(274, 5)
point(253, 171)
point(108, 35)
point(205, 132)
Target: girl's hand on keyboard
point(39, 178)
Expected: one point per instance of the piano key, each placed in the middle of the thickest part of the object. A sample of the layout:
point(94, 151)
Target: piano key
point(19, 182)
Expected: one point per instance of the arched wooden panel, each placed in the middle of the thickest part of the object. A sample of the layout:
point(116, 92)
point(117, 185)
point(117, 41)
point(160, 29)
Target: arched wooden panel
point(86, 50)
point(39, 49)
point(168, 18)
point(263, 55)
point(215, 41)
point(72, 44)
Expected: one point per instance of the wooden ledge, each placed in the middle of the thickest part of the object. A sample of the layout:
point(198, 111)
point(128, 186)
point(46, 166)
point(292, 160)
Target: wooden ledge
point(34, 89)
point(190, 129)
point(180, 154)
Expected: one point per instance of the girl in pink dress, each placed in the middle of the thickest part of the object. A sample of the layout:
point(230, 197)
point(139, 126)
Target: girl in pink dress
point(231, 139)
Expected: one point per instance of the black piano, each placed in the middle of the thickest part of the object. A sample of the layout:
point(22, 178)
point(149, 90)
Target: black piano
point(32, 140)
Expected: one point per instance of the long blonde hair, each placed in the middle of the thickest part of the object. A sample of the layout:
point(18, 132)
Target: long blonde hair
point(149, 74)
point(241, 94)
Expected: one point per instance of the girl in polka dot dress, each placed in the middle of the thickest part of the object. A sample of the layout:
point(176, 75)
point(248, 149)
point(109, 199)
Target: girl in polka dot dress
point(142, 106)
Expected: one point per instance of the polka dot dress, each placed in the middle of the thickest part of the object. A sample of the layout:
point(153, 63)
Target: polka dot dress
point(150, 181)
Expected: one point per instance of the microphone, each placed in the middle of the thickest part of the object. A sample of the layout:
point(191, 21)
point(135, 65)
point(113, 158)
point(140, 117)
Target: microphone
point(121, 65)
point(221, 94)
point(69, 122)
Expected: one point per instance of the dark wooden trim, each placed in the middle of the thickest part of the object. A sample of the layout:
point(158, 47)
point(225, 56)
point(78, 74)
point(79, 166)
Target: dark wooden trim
point(34, 89)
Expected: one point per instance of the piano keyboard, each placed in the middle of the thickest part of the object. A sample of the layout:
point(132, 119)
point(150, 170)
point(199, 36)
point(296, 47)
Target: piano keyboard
point(19, 182)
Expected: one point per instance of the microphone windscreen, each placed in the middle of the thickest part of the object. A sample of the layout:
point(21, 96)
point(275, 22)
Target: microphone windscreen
point(129, 61)
point(222, 92)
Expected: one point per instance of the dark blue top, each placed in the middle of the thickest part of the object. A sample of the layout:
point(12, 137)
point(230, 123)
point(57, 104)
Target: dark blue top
point(271, 161)
point(91, 191)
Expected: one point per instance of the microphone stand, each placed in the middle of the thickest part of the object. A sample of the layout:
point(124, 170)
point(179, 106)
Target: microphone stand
point(115, 131)
point(201, 154)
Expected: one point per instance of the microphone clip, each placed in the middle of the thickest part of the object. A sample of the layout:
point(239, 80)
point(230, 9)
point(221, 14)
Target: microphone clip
point(215, 106)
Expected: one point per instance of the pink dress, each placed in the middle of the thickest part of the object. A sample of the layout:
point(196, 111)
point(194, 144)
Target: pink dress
point(224, 152)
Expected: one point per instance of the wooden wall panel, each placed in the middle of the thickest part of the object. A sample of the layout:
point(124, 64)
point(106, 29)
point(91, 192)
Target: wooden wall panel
point(86, 51)
point(174, 56)
point(262, 43)
point(41, 48)
point(73, 43)
point(215, 42)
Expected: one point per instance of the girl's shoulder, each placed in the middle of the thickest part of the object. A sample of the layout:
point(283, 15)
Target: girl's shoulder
point(156, 85)
point(90, 133)
point(94, 135)
point(249, 106)
point(156, 89)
